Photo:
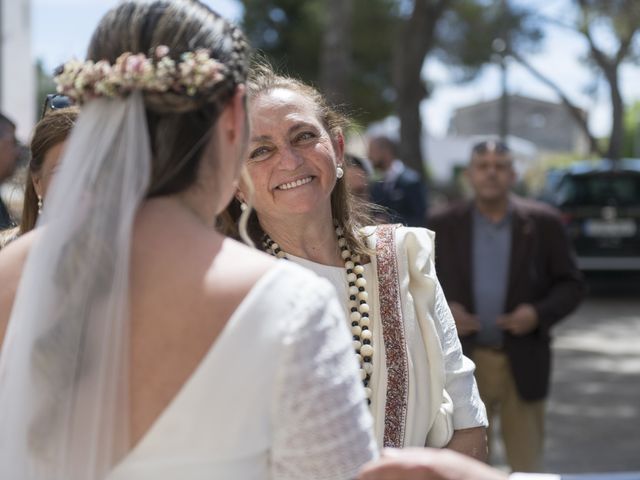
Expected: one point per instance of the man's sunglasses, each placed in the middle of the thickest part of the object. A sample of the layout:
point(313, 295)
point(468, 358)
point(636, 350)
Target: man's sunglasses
point(55, 101)
point(494, 146)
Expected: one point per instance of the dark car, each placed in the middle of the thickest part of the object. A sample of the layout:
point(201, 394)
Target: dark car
point(600, 205)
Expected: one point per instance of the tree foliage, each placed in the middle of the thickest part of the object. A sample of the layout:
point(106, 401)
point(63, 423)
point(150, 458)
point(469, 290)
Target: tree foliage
point(389, 40)
point(463, 34)
point(621, 19)
point(610, 30)
point(469, 35)
point(290, 32)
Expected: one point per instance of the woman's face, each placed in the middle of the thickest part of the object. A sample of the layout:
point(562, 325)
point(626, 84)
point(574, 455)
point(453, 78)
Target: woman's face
point(292, 158)
point(42, 178)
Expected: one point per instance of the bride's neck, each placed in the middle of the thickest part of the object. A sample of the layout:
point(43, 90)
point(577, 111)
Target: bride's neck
point(197, 202)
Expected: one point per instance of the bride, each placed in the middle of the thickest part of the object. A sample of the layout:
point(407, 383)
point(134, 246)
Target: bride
point(142, 344)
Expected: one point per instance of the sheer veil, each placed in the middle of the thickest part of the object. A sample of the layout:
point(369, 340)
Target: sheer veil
point(64, 362)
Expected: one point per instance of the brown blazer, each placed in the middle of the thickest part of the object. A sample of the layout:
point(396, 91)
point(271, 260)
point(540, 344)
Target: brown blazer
point(542, 272)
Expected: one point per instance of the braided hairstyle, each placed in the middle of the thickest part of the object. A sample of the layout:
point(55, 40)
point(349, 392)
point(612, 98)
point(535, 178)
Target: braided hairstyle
point(179, 125)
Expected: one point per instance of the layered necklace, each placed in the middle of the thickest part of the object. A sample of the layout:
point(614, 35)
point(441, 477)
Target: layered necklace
point(358, 305)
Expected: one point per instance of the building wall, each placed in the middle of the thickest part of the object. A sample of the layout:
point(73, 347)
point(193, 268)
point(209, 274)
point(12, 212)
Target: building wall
point(17, 72)
point(549, 126)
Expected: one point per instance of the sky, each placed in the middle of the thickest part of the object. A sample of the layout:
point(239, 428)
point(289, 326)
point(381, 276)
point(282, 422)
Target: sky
point(62, 29)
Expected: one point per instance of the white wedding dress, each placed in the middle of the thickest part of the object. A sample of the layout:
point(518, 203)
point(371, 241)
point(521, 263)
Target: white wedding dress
point(276, 397)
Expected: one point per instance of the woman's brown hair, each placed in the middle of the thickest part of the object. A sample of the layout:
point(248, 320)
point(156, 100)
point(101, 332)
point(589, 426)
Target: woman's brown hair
point(54, 128)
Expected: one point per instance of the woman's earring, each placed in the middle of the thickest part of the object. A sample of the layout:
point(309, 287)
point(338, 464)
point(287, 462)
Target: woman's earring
point(339, 172)
point(39, 205)
point(243, 206)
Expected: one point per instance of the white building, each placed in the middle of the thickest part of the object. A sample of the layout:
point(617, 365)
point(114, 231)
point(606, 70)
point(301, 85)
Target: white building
point(548, 125)
point(17, 72)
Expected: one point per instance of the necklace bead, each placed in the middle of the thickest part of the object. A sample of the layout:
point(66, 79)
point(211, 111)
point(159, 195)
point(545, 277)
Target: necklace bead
point(358, 305)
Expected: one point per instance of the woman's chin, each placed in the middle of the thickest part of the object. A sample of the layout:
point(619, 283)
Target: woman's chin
point(303, 205)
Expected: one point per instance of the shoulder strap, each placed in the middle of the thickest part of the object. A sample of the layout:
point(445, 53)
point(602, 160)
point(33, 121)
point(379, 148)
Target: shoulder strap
point(393, 335)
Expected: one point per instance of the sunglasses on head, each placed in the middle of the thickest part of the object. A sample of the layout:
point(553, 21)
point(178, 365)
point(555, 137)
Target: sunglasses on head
point(495, 146)
point(55, 101)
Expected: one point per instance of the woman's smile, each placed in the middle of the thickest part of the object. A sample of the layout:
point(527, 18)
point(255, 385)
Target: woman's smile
point(295, 183)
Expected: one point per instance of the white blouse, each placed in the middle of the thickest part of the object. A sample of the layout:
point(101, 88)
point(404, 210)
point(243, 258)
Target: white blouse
point(424, 307)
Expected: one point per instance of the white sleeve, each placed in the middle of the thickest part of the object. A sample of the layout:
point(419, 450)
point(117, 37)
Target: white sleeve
point(459, 382)
point(322, 426)
point(468, 409)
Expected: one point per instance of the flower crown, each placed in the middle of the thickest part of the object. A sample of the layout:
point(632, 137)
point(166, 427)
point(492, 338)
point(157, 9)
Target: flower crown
point(194, 74)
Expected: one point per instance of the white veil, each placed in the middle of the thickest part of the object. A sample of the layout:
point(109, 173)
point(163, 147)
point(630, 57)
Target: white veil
point(64, 362)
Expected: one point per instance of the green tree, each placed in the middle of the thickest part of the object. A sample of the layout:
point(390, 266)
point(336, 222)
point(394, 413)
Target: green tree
point(369, 54)
point(327, 44)
point(622, 19)
point(610, 30)
point(463, 34)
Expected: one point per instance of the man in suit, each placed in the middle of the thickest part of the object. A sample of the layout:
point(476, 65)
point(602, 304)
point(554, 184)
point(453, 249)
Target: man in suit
point(509, 275)
point(401, 190)
point(8, 158)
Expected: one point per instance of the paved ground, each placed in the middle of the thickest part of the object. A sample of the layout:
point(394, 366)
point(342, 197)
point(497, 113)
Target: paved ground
point(593, 413)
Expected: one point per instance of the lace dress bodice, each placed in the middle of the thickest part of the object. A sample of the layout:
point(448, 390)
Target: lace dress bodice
point(277, 395)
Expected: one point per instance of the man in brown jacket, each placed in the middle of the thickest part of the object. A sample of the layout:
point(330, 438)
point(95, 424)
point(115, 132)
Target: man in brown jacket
point(509, 275)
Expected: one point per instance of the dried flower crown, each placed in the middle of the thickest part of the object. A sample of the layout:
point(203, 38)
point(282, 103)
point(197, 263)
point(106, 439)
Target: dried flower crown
point(196, 73)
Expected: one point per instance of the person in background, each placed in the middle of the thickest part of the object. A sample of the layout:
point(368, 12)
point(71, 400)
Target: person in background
point(47, 144)
point(401, 190)
point(357, 175)
point(9, 152)
point(509, 274)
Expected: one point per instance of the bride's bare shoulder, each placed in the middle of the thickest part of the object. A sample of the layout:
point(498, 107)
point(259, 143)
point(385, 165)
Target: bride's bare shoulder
point(241, 264)
point(247, 254)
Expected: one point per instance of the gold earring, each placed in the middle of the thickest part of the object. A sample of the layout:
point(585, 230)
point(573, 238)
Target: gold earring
point(39, 204)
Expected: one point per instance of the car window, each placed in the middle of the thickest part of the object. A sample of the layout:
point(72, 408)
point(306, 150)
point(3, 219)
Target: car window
point(594, 190)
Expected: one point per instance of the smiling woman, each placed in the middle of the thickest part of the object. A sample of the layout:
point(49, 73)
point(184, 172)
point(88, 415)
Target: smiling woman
point(420, 388)
point(292, 162)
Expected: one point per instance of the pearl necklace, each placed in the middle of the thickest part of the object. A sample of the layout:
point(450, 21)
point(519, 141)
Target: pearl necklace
point(358, 305)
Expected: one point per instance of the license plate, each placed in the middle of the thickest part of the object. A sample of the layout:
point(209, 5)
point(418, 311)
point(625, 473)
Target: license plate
point(615, 228)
